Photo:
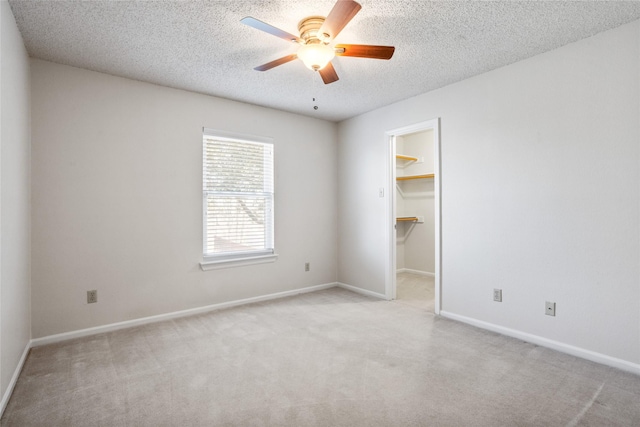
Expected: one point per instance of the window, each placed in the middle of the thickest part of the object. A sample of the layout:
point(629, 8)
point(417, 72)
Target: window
point(237, 199)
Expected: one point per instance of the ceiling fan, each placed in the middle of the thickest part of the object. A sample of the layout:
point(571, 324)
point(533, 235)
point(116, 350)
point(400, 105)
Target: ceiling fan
point(317, 34)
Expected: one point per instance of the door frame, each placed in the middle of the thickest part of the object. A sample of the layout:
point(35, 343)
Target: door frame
point(390, 283)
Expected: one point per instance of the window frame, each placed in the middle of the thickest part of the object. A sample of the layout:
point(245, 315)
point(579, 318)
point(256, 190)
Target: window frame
point(235, 259)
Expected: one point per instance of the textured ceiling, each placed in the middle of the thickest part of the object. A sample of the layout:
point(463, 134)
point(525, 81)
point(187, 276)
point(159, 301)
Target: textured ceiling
point(201, 46)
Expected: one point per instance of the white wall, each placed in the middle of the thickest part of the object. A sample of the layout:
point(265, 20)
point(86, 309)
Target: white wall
point(117, 199)
point(15, 195)
point(540, 193)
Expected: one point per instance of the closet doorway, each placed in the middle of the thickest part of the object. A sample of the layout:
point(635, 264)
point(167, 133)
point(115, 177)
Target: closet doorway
point(414, 215)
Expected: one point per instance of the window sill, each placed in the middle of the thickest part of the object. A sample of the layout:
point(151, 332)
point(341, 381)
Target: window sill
point(207, 265)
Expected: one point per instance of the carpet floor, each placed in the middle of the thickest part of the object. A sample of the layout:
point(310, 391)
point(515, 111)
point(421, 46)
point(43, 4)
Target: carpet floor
point(328, 358)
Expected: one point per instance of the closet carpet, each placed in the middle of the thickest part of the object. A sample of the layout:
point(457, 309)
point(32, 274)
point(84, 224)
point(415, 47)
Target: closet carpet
point(328, 358)
point(416, 290)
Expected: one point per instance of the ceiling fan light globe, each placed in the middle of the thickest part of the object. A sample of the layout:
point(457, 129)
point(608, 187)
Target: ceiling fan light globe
point(316, 56)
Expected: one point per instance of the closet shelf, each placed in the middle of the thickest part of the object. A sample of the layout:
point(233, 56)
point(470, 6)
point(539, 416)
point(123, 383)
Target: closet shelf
point(407, 218)
point(407, 158)
point(408, 177)
point(403, 161)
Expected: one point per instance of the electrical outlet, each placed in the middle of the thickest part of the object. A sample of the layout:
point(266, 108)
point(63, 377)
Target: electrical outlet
point(497, 295)
point(307, 266)
point(550, 308)
point(92, 296)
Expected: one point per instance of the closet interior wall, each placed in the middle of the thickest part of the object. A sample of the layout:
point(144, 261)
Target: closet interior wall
point(415, 250)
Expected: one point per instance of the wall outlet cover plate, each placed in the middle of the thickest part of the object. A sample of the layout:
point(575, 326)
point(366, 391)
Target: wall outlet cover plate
point(92, 297)
point(550, 308)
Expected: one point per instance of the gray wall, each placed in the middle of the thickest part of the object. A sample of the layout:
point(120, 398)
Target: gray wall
point(117, 199)
point(540, 194)
point(15, 196)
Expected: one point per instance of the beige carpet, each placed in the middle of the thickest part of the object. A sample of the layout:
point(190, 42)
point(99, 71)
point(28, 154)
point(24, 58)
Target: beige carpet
point(330, 358)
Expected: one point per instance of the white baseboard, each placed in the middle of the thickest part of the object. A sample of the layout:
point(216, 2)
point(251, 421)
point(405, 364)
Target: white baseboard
point(14, 379)
point(545, 342)
point(167, 316)
point(361, 291)
point(418, 272)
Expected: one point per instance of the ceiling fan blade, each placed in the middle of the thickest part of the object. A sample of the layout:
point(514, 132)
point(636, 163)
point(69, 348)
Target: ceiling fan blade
point(343, 12)
point(275, 63)
point(328, 74)
point(365, 51)
point(263, 26)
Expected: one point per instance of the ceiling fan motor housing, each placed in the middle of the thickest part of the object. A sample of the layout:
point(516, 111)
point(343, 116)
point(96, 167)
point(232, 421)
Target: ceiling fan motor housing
point(310, 30)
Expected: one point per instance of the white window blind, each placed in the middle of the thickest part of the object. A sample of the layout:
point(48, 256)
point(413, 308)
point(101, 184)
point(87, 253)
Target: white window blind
point(238, 197)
